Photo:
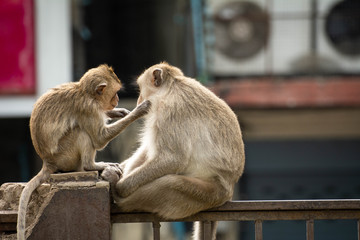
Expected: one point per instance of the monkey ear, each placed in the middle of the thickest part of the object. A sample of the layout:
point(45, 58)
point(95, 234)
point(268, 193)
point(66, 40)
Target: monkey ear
point(100, 88)
point(157, 77)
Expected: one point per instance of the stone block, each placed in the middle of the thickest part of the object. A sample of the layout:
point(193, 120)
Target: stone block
point(77, 207)
point(70, 206)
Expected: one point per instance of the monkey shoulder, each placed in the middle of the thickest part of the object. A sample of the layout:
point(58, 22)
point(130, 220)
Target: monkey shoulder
point(56, 111)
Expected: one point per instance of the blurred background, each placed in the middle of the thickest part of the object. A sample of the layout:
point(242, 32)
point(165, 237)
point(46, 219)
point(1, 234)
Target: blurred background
point(290, 69)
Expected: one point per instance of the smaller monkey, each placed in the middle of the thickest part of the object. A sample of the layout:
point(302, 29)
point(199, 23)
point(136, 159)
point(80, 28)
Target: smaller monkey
point(191, 152)
point(68, 125)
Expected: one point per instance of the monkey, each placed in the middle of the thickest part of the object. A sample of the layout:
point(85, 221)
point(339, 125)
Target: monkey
point(68, 124)
point(191, 151)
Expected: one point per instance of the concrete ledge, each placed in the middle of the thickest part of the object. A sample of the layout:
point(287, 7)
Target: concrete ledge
point(92, 176)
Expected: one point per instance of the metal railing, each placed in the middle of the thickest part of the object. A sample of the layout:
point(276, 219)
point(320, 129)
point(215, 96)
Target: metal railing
point(256, 211)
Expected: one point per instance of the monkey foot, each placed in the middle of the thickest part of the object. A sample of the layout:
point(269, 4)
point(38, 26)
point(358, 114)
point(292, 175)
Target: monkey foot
point(111, 174)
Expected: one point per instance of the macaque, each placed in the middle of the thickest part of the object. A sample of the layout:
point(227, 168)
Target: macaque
point(191, 152)
point(68, 125)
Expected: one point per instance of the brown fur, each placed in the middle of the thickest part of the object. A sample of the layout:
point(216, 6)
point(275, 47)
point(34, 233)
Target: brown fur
point(68, 125)
point(191, 152)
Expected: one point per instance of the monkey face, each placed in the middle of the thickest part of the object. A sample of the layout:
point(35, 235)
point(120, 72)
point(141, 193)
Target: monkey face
point(110, 98)
point(102, 84)
point(106, 94)
point(144, 86)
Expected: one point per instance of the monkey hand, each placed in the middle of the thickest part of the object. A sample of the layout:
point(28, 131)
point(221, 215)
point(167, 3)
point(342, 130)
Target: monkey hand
point(143, 107)
point(117, 113)
point(111, 174)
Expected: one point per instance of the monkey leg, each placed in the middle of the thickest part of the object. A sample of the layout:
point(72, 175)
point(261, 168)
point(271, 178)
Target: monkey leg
point(88, 154)
point(88, 160)
point(176, 196)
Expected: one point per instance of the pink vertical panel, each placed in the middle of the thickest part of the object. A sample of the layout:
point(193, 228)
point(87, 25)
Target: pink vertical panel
point(17, 60)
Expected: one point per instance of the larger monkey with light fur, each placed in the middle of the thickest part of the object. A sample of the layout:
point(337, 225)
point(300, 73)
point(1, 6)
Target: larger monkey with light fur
point(191, 153)
point(68, 124)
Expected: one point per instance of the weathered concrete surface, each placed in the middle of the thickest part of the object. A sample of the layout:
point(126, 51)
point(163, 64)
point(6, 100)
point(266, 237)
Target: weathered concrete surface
point(70, 206)
point(9, 200)
point(9, 195)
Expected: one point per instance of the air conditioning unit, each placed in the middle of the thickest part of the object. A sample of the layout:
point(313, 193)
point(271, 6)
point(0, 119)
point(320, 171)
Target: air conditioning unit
point(339, 33)
point(262, 37)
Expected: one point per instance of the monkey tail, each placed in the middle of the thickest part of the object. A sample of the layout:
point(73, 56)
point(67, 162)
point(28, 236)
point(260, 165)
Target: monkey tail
point(36, 181)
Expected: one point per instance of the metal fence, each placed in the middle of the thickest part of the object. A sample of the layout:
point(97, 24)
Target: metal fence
point(258, 212)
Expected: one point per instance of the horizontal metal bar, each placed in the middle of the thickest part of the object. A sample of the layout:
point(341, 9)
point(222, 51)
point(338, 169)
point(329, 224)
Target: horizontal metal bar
point(266, 205)
point(243, 216)
point(8, 216)
point(6, 227)
point(244, 211)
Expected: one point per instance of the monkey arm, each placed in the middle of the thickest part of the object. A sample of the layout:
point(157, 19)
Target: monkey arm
point(102, 135)
point(149, 171)
point(112, 130)
point(136, 160)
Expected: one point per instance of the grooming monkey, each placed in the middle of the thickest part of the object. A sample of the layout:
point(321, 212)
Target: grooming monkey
point(69, 124)
point(191, 152)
